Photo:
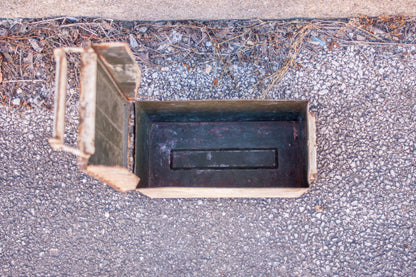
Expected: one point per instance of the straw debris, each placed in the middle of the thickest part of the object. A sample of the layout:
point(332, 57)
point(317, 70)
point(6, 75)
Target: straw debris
point(26, 47)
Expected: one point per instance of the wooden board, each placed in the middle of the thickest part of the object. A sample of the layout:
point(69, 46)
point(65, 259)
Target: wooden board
point(181, 192)
point(119, 178)
point(111, 118)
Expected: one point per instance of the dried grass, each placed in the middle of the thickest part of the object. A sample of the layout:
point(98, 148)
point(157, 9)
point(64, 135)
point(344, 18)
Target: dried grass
point(293, 52)
point(26, 46)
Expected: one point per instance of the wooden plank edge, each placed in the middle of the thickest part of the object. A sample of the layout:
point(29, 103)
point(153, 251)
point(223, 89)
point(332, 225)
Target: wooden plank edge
point(312, 145)
point(105, 45)
point(119, 178)
point(192, 192)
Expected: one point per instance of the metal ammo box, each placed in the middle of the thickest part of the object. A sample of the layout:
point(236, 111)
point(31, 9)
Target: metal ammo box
point(215, 148)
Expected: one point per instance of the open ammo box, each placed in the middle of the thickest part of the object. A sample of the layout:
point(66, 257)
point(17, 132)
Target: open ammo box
point(215, 148)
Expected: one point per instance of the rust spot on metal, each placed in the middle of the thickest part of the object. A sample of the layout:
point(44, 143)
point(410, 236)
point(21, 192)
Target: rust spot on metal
point(295, 131)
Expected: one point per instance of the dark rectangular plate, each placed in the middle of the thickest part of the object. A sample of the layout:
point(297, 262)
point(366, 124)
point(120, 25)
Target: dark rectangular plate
point(254, 158)
point(226, 154)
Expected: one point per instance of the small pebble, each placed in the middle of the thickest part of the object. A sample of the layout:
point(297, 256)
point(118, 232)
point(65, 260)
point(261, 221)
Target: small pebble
point(143, 29)
point(16, 101)
point(319, 208)
point(35, 45)
point(208, 69)
point(133, 42)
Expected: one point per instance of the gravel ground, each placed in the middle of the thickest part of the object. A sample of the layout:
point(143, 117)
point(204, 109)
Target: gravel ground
point(358, 219)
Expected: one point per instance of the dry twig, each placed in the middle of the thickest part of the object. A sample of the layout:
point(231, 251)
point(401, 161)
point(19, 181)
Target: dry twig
point(293, 52)
point(1, 74)
point(24, 81)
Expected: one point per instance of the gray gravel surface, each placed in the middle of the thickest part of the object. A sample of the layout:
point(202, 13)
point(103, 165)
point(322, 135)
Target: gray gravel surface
point(358, 219)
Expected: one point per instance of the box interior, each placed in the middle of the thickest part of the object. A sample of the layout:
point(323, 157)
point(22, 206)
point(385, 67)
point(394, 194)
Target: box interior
point(230, 144)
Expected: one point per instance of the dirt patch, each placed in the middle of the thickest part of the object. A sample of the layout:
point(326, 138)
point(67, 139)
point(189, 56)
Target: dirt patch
point(26, 46)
